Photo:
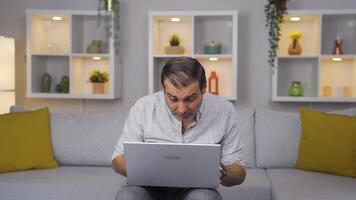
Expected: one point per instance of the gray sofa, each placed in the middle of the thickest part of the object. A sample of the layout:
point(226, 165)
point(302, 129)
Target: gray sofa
point(83, 145)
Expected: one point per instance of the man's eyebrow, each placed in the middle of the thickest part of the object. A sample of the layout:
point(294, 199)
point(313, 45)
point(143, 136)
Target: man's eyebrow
point(169, 94)
point(187, 97)
point(190, 96)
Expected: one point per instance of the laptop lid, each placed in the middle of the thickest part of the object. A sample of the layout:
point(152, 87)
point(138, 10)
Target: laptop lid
point(172, 164)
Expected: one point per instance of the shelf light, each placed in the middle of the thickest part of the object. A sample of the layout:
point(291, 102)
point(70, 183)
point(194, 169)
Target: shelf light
point(175, 19)
point(56, 18)
point(337, 59)
point(213, 59)
point(295, 19)
point(96, 58)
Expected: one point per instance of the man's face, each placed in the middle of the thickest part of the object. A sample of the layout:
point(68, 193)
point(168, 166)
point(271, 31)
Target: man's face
point(183, 102)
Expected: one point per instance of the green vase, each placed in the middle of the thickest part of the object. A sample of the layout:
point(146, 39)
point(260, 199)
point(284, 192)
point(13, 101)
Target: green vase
point(65, 84)
point(296, 89)
point(46, 82)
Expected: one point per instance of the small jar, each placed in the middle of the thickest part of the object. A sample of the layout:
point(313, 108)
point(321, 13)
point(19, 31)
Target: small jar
point(295, 89)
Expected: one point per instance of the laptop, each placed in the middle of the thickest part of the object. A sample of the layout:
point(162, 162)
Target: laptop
point(172, 164)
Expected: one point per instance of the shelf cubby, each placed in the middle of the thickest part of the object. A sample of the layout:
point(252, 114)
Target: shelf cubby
point(56, 66)
point(57, 42)
point(213, 28)
point(325, 77)
point(196, 29)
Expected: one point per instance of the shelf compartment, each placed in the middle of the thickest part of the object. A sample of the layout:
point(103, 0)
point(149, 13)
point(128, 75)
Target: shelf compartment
point(225, 72)
point(304, 70)
point(338, 79)
point(163, 28)
point(56, 66)
point(81, 68)
point(309, 26)
point(343, 25)
point(216, 28)
point(48, 35)
point(85, 30)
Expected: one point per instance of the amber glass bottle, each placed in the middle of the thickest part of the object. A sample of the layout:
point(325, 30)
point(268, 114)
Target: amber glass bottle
point(213, 83)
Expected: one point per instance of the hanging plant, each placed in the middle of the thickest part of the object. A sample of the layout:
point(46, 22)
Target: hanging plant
point(275, 10)
point(109, 9)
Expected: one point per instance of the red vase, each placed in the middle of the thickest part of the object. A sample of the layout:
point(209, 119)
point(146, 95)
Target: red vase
point(281, 4)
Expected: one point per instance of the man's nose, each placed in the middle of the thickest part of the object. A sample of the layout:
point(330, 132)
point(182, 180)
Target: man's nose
point(182, 107)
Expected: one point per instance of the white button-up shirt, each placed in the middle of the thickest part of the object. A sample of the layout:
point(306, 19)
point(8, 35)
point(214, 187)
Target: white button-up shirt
point(150, 120)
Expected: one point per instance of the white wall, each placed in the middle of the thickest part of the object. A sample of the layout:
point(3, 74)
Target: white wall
point(254, 84)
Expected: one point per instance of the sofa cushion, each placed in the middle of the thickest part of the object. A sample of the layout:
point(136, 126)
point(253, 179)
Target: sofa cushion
point(86, 139)
point(328, 143)
point(90, 183)
point(294, 184)
point(277, 138)
point(245, 118)
point(256, 186)
point(278, 135)
point(25, 141)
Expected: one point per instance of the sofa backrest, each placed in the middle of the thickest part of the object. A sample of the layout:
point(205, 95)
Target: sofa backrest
point(85, 139)
point(246, 126)
point(277, 137)
point(90, 139)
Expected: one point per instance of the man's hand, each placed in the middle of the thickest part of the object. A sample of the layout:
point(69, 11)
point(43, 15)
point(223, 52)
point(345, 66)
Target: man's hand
point(235, 175)
point(119, 165)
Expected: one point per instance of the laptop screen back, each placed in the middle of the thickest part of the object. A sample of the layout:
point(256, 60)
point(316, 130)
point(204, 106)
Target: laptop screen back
point(172, 164)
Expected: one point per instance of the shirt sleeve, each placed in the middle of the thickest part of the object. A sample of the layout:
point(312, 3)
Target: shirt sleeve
point(132, 131)
point(231, 146)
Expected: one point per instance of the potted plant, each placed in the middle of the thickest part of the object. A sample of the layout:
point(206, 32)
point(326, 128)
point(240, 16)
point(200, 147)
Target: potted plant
point(98, 80)
point(174, 48)
point(274, 10)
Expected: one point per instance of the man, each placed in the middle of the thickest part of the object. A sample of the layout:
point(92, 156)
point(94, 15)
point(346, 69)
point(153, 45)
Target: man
point(183, 113)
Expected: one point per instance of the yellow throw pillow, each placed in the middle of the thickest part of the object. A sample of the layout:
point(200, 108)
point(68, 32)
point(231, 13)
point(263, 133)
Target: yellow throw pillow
point(328, 143)
point(25, 141)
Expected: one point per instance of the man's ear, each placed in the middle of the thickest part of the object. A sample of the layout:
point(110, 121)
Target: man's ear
point(203, 89)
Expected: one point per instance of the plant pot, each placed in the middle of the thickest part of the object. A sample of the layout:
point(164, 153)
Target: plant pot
point(281, 4)
point(295, 48)
point(174, 50)
point(98, 88)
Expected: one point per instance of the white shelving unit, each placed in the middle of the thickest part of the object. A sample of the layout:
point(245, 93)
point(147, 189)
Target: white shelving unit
point(196, 29)
point(58, 47)
point(322, 78)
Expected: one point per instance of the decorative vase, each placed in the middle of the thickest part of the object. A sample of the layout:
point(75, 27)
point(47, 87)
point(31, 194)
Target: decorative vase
point(212, 48)
point(295, 48)
point(94, 47)
point(46, 82)
point(213, 83)
point(174, 50)
point(295, 89)
point(98, 88)
point(65, 84)
point(281, 4)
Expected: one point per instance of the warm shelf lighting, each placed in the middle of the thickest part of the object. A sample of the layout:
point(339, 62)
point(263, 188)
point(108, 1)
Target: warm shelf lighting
point(175, 19)
point(7, 73)
point(295, 19)
point(96, 58)
point(213, 59)
point(337, 59)
point(56, 18)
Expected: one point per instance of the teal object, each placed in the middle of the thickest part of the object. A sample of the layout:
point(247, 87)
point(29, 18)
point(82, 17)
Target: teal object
point(212, 48)
point(46, 82)
point(65, 84)
point(296, 89)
